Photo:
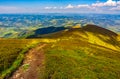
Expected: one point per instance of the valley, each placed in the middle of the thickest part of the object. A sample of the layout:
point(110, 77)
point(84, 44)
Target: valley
point(23, 25)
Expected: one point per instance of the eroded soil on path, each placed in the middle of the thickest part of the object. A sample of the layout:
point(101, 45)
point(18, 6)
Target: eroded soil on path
point(33, 65)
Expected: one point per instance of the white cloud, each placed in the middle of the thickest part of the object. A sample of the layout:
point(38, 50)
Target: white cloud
point(48, 7)
point(98, 4)
point(54, 7)
point(69, 6)
point(118, 2)
point(115, 8)
point(108, 3)
point(98, 7)
point(76, 7)
point(61, 8)
point(83, 6)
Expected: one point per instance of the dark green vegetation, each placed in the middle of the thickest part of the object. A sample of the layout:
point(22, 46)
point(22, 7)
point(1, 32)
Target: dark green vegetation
point(90, 52)
point(47, 30)
point(12, 53)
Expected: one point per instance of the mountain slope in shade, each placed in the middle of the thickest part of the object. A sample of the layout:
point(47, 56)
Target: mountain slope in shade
point(47, 30)
point(99, 30)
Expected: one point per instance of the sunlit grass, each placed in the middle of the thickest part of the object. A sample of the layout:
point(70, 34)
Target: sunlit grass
point(77, 64)
point(68, 59)
point(12, 54)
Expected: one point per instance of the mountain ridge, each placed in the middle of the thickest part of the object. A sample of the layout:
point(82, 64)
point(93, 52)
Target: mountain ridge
point(81, 53)
point(90, 33)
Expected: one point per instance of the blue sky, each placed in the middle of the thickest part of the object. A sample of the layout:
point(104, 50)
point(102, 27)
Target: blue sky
point(60, 6)
point(45, 2)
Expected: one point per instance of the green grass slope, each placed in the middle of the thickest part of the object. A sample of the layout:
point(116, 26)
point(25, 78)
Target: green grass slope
point(89, 33)
point(81, 62)
point(12, 54)
point(83, 54)
point(89, 52)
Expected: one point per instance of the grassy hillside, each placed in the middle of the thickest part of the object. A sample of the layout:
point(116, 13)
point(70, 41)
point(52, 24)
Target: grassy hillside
point(70, 59)
point(88, 52)
point(12, 53)
point(89, 33)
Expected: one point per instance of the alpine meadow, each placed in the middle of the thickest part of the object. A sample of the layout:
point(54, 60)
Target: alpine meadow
point(59, 39)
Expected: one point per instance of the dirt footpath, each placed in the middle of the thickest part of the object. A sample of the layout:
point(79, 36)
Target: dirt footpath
point(33, 65)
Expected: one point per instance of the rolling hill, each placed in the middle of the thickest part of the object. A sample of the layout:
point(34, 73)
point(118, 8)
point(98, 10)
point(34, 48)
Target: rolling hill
point(89, 33)
point(88, 52)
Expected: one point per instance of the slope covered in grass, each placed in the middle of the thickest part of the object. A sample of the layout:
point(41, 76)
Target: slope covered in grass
point(70, 64)
point(76, 59)
point(12, 53)
point(90, 52)
point(90, 33)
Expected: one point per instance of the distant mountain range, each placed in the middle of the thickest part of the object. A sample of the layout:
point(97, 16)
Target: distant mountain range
point(11, 25)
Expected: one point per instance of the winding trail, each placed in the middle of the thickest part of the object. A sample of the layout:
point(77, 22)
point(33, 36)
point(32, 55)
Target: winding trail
point(33, 65)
